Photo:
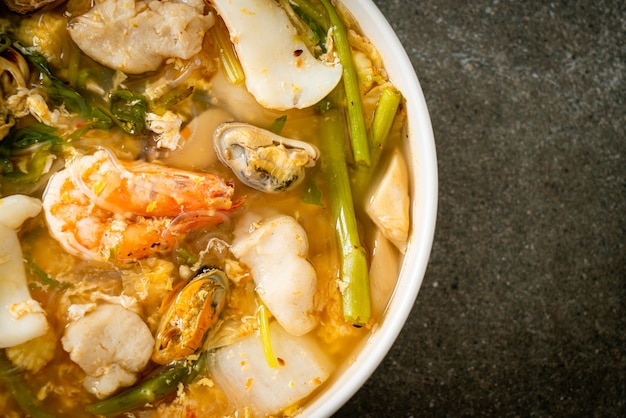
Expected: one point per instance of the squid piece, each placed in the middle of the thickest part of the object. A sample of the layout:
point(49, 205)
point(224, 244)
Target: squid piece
point(21, 317)
point(262, 159)
point(242, 371)
point(137, 36)
point(111, 344)
point(388, 204)
point(29, 6)
point(275, 250)
point(281, 73)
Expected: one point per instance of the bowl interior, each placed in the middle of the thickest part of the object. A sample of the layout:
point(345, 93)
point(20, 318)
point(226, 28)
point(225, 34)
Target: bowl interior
point(421, 157)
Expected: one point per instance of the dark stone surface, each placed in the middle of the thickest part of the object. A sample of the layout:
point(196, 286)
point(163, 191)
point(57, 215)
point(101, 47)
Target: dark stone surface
point(523, 308)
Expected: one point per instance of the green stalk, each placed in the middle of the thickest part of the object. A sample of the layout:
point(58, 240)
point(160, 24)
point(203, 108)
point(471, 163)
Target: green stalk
point(355, 288)
point(19, 389)
point(313, 12)
point(356, 119)
point(384, 116)
point(151, 390)
point(228, 58)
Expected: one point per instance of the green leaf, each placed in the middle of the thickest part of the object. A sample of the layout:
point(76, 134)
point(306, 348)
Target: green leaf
point(129, 110)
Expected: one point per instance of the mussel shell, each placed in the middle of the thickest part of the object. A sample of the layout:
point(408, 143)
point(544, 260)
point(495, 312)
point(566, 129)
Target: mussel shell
point(29, 6)
point(252, 154)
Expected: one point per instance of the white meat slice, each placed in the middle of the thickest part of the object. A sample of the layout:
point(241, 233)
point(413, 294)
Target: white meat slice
point(241, 370)
point(111, 344)
point(21, 317)
point(280, 71)
point(275, 250)
point(137, 36)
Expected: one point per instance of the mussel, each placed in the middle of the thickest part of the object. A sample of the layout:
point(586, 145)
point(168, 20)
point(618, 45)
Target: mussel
point(29, 6)
point(262, 159)
point(190, 315)
point(14, 73)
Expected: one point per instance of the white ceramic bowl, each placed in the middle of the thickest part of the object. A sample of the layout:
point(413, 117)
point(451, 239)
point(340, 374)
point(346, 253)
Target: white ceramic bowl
point(421, 155)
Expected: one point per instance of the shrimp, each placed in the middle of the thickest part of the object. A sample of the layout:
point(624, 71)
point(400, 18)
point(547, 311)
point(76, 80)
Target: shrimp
point(99, 208)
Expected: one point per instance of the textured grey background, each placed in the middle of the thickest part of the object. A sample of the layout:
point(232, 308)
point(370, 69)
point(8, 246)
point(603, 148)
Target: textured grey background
point(522, 310)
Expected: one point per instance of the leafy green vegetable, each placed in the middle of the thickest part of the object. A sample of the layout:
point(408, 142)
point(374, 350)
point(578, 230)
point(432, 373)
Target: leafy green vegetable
point(129, 111)
point(26, 152)
point(278, 124)
point(171, 98)
point(56, 89)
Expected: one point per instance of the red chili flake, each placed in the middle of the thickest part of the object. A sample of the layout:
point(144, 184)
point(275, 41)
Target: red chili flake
point(297, 52)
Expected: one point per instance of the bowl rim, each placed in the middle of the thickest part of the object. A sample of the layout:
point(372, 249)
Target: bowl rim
point(424, 185)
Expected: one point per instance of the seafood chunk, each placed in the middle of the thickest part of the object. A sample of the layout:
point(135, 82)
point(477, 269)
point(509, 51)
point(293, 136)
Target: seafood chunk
point(281, 73)
point(99, 207)
point(14, 72)
point(242, 371)
point(261, 159)
point(275, 250)
point(111, 344)
point(137, 36)
point(28, 6)
point(196, 308)
point(21, 317)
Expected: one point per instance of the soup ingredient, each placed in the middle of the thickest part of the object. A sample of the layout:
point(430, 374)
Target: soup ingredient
point(146, 189)
point(230, 62)
point(28, 6)
point(242, 371)
point(14, 72)
point(388, 204)
point(86, 212)
point(20, 389)
point(275, 250)
point(151, 390)
point(185, 322)
point(356, 118)
point(262, 159)
point(383, 120)
point(383, 273)
point(284, 75)
point(111, 344)
point(35, 353)
point(137, 36)
point(21, 317)
point(354, 282)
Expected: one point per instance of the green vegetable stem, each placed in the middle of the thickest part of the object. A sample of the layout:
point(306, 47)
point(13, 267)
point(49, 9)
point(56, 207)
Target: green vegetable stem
point(150, 390)
point(356, 118)
point(384, 117)
point(355, 289)
point(19, 389)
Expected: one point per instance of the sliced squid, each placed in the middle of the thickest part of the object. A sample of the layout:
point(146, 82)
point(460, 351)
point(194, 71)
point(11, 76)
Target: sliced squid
point(21, 317)
point(281, 73)
point(242, 371)
point(275, 249)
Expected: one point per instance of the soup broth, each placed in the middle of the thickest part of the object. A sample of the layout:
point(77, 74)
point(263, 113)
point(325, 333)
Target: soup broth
point(157, 254)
